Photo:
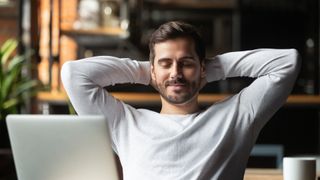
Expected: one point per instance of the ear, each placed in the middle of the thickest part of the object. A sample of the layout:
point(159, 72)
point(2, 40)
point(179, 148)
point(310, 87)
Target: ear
point(153, 75)
point(153, 78)
point(203, 70)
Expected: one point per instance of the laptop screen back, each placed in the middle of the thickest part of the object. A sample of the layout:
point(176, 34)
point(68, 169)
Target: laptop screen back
point(61, 147)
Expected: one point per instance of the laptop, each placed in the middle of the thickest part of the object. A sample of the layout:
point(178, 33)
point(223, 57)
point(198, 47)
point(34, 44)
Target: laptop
point(61, 147)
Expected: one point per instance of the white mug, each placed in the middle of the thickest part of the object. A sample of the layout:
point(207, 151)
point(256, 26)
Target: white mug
point(299, 168)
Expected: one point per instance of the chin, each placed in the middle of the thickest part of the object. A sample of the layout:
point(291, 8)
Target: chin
point(183, 101)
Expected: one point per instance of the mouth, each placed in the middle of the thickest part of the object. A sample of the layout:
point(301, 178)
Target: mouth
point(177, 82)
point(177, 87)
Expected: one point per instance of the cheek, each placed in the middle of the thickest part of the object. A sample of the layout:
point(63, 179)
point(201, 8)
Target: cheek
point(161, 75)
point(192, 74)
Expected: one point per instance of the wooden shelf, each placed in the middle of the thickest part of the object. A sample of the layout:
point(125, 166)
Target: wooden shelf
point(154, 98)
point(106, 31)
point(194, 4)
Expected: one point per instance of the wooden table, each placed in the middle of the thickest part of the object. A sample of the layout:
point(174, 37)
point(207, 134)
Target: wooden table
point(265, 174)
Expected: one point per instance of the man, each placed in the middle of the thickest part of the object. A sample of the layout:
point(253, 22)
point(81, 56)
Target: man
point(183, 142)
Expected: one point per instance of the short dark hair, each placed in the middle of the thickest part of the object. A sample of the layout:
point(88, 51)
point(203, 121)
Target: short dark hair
point(173, 30)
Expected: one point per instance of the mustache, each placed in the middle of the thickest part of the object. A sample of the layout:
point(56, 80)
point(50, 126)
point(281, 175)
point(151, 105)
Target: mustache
point(175, 81)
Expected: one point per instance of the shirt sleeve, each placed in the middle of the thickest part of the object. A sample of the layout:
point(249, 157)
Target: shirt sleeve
point(275, 71)
point(84, 81)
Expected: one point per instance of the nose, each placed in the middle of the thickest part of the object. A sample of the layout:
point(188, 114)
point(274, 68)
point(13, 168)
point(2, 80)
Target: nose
point(176, 71)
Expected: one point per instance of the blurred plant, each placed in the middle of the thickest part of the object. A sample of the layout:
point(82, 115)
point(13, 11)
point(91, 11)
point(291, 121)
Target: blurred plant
point(15, 88)
point(71, 108)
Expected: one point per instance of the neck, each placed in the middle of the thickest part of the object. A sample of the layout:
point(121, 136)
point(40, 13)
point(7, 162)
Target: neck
point(189, 107)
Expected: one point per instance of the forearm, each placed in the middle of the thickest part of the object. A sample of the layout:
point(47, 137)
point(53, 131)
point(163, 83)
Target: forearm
point(107, 70)
point(84, 81)
point(254, 63)
point(275, 72)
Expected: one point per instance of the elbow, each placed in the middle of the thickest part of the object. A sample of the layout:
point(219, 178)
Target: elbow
point(67, 73)
point(294, 60)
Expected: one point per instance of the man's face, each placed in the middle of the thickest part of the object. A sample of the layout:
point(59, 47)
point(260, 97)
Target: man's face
point(176, 70)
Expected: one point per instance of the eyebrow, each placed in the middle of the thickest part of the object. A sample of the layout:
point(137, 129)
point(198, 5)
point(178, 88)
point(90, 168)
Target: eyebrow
point(163, 60)
point(188, 57)
point(169, 59)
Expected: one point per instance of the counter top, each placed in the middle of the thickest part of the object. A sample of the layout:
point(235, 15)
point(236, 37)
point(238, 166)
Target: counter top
point(154, 98)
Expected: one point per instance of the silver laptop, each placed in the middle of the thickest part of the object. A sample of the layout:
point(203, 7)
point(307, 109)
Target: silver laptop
point(61, 147)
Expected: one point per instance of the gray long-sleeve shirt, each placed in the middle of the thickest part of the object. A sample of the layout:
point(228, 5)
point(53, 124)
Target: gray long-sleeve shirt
point(211, 144)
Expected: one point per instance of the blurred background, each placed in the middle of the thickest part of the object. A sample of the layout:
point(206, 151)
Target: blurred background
point(51, 32)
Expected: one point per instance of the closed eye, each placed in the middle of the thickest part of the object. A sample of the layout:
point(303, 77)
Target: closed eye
point(188, 62)
point(165, 63)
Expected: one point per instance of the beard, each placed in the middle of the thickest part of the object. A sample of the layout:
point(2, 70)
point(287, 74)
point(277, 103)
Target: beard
point(178, 96)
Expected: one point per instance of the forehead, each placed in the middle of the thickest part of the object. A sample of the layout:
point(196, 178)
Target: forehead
point(175, 47)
